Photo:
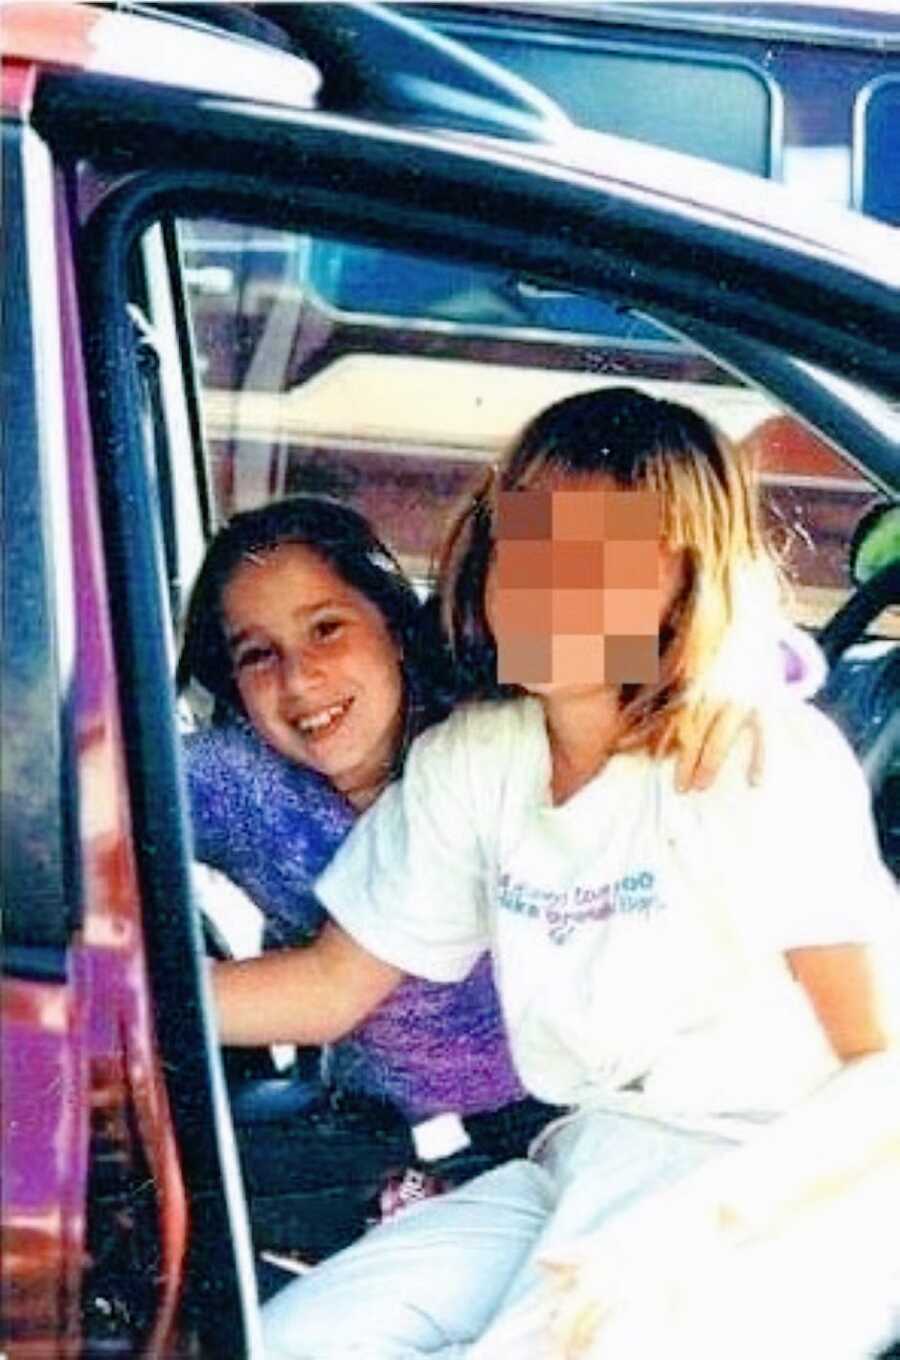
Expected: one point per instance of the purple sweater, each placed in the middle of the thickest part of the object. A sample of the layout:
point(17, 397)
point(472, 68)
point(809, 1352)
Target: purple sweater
point(272, 827)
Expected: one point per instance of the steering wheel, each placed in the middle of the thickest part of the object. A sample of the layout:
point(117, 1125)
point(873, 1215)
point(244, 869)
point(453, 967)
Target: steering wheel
point(855, 614)
point(864, 696)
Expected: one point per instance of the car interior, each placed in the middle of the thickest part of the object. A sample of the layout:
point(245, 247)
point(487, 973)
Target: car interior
point(391, 379)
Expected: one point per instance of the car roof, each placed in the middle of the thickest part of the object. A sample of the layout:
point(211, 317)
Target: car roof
point(79, 37)
point(375, 62)
point(697, 188)
point(65, 36)
point(125, 113)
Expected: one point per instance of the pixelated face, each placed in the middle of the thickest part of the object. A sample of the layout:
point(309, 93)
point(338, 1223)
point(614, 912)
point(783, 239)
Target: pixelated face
point(579, 585)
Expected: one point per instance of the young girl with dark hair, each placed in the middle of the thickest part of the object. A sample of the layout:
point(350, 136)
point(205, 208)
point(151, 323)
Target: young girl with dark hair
point(306, 633)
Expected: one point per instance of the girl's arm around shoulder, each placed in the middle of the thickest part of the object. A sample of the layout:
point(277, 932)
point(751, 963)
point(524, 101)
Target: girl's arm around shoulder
point(312, 995)
point(728, 713)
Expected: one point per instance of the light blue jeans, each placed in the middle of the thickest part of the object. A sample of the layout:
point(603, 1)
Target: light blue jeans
point(429, 1282)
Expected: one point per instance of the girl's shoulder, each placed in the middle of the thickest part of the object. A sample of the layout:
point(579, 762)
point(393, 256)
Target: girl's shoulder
point(488, 719)
point(222, 749)
point(807, 744)
point(469, 762)
point(810, 774)
point(233, 750)
point(228, 765)
point(483, 734)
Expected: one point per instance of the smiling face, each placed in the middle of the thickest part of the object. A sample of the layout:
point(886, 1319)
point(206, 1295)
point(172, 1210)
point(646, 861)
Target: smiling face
point(316, 667)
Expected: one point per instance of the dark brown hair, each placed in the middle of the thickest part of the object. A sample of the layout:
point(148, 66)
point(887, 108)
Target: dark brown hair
point(343, 539)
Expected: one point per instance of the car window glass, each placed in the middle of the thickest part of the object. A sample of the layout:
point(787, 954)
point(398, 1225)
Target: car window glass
point(615, 88)
point(364, 284)
point(877, 149)
point(814, 106)
point(39, 903)
point(400, 411)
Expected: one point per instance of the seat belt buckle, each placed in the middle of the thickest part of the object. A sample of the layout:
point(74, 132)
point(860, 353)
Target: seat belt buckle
point(439, 1137)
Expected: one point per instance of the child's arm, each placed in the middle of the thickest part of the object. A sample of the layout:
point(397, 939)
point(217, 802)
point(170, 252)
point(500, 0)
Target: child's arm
point(849, 988)
point(312, 995)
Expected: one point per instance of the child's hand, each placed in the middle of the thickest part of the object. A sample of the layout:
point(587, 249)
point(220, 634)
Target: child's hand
point(707, 736)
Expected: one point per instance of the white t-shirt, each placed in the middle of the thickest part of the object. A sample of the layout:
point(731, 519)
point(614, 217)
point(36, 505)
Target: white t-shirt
point(638, 933)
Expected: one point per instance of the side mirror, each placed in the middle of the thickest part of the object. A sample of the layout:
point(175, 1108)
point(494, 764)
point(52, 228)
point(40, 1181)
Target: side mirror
point(876, 542)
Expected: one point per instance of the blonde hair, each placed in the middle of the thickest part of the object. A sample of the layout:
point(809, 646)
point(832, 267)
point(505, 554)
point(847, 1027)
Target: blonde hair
point(708, 510)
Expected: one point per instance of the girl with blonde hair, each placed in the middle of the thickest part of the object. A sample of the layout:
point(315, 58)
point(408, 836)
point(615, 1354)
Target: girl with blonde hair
point(678, 971)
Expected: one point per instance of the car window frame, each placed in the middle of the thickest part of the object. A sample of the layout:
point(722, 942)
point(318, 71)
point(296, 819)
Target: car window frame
point(225, 1314)
point(173, 416)
point(376, 206)
point(230, 184)
point(751, 274)
point(115, 226)
point(42, 905)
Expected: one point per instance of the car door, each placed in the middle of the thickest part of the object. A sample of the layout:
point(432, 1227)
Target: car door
point(609, 237)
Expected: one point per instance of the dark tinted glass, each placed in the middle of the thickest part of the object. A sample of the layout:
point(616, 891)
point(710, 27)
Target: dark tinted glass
point(878, 149)
point(33, 812)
